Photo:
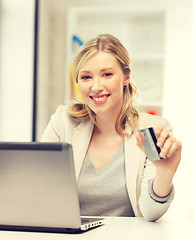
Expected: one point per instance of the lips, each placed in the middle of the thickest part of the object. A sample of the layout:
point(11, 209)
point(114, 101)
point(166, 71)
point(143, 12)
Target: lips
point(100, 99)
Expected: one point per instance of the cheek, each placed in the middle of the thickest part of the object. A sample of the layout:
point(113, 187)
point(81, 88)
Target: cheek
point(83, 90)
point(117, 87)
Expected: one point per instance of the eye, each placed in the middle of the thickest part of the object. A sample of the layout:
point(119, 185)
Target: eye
point(107, 75)
point(85, 77)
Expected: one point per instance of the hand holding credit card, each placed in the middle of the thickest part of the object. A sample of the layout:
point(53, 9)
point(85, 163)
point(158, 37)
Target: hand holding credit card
point(150, 144)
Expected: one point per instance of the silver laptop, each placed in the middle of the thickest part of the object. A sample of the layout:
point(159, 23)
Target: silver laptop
point(38, 190)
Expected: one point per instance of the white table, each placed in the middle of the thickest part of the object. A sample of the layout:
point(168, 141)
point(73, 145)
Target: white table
point(117, 228)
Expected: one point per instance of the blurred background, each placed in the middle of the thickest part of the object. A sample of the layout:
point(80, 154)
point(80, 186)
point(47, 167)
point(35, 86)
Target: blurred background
point(38, 39)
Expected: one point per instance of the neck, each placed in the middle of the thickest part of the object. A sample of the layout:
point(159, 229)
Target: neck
point(107, 124)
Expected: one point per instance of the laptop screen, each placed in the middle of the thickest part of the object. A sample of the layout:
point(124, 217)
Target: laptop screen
point(38, 186)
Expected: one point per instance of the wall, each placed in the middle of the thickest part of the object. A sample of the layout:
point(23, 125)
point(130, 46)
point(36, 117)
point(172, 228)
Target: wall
point(178, 96)
point(16, 70)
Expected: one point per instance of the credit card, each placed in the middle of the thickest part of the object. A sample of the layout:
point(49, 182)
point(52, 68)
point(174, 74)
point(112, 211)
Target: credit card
point(150, 144)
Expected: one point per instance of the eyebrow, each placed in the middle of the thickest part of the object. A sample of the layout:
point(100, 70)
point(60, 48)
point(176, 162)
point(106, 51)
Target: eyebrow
point(84, 71)
point(106, 69)
point(102, 70)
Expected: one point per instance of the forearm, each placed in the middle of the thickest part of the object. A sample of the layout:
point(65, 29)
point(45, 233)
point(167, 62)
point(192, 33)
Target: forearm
point(162, 184)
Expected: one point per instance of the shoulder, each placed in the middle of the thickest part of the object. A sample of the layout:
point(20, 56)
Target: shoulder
point(66, 123)
point(63, 118)
point(62, 126)
point(147, 120)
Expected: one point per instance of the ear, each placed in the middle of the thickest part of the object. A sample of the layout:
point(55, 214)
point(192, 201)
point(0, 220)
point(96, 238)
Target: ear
point(126, 80)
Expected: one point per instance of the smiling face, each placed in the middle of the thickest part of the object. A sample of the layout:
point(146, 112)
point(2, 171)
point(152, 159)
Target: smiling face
point(101, 82)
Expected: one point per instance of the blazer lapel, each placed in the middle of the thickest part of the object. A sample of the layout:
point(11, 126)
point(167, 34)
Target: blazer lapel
point(80, 141)
point(132, 164)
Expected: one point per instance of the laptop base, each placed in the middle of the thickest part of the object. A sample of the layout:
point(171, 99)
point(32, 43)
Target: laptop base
point(42, 229)
point(88, 224)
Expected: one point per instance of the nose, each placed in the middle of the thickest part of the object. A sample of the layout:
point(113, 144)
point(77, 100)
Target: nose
point(96, 85)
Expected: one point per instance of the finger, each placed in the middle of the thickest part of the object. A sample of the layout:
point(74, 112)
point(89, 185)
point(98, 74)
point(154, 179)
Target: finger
point(139, 138)
point(167, 147)
point(162, 138)
point(176, 146)
point(158, 130)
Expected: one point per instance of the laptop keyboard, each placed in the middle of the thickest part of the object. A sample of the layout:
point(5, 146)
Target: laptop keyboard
point(90, 220)
point(86, 220)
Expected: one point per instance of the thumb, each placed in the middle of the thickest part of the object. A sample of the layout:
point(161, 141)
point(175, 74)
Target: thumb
point(139, 138)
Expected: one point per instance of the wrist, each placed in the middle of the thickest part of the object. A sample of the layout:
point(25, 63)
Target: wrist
point(164, 174)
point(162, 183)
point(157, 198)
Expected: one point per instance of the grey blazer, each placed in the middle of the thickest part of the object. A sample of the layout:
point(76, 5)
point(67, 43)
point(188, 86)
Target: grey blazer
point(139, 170)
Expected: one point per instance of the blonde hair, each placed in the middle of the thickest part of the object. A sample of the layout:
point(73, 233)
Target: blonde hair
point(109, 44)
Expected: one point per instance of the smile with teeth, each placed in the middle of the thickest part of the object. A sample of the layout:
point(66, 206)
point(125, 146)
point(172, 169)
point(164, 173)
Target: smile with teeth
point(100, 99)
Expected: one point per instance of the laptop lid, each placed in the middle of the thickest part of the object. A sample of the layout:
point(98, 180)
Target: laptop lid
point(38, 186)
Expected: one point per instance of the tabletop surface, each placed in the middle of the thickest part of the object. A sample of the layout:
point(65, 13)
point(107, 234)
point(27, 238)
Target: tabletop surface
point(116, 228)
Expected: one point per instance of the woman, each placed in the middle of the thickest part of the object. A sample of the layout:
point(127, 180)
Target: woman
point(114, 176)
